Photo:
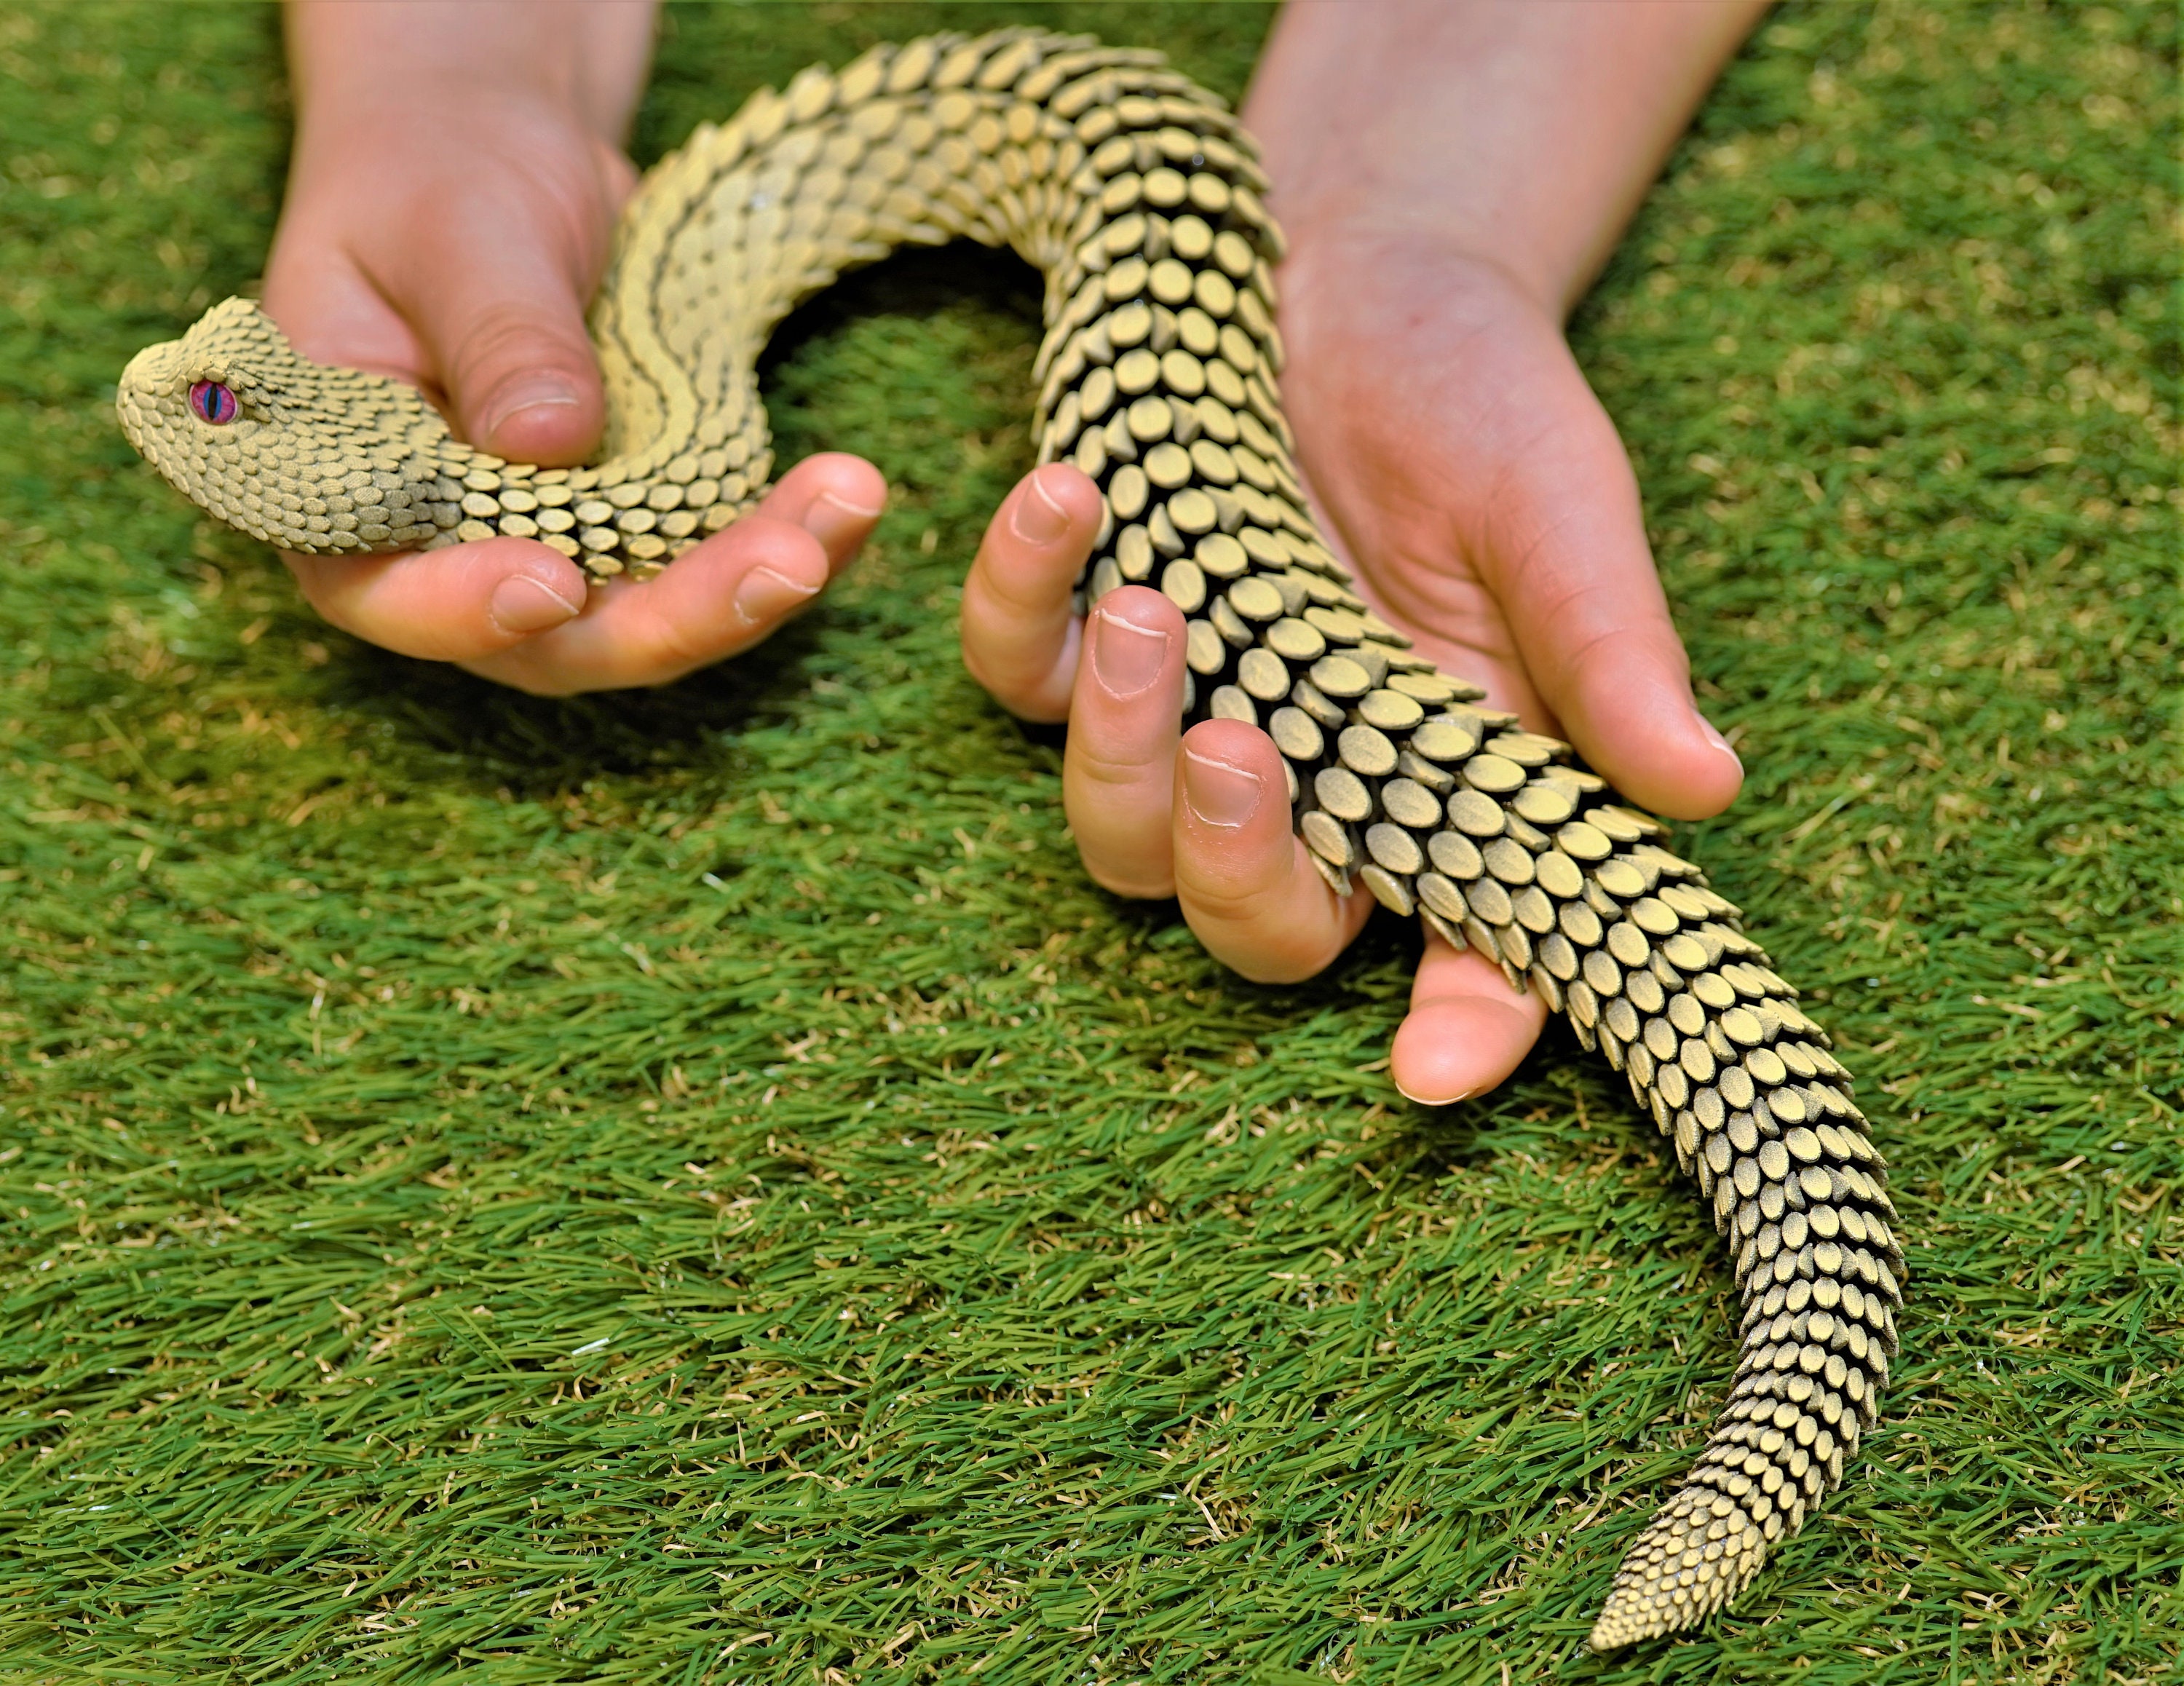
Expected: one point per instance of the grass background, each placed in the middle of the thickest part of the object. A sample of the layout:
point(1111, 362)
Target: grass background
point(696, 1187)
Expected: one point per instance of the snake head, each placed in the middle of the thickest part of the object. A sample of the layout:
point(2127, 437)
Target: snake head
point(301, 454)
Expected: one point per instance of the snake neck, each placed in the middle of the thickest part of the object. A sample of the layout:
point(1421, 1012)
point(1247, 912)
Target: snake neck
point(1077, 156)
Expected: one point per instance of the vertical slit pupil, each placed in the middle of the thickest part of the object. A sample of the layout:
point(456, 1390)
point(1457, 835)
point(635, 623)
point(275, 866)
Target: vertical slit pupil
point(213, 403)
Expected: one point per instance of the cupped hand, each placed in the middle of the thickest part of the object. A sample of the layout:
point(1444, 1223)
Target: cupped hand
point(1467, 474)
point(451, 238)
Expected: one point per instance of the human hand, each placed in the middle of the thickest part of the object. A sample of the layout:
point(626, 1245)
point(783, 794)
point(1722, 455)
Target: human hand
point(1462, 464)
point(447, 218)
point(1452, 174)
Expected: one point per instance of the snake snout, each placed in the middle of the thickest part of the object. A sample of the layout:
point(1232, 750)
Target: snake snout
point(151, 402)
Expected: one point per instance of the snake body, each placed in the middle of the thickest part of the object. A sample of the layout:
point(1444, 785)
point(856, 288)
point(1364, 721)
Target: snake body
point(1137, 196)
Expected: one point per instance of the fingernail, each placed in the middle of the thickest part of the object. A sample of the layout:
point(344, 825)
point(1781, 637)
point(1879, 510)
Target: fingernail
point(763, 594)
point(1125, 658)
point(1218, 794)
point(1035, 517)
point(836, 522)
point(527, 391)
point(1434, 1100)
point(1714, 738)
point(523, 606)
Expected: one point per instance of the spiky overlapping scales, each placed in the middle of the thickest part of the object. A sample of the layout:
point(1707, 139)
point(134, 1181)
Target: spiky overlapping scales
point(1136, 195)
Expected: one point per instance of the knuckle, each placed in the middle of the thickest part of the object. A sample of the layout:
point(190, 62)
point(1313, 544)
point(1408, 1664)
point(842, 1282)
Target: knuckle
point(1011, 599)
point(1134, 884)
point(514, 336)
point(667, 650)
point(1281, 968)
point(1002, 665)
point(1247, 907)
point(1265, 943)
point(1118, 777)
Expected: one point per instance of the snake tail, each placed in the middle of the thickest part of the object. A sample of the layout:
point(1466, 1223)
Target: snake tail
point(1136, 195)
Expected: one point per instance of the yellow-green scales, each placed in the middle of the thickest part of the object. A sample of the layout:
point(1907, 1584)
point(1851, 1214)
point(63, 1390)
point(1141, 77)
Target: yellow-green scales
point(1136, 195)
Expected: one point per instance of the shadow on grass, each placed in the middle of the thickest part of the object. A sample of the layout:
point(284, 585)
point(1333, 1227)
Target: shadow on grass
point(539, 747)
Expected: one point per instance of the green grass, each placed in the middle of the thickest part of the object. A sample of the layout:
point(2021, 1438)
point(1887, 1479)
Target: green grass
point(698, 1187)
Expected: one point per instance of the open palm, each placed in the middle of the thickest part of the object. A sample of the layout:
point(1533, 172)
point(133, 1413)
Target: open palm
point(452, 237)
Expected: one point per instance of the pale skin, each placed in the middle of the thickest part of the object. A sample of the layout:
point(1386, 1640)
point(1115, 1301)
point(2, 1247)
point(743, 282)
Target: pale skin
point(1452, 176)
point(1455, 452)
point(458, 169)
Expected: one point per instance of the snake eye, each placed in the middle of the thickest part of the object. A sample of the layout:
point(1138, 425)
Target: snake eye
point(213, 403)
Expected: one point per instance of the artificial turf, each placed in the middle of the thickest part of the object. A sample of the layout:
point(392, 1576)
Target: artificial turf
point(697, 1186)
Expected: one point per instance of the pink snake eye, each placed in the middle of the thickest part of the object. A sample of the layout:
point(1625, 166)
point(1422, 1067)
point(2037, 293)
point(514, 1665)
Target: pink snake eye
point(210, 402)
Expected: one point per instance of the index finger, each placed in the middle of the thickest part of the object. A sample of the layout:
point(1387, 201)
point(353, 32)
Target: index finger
point(1020, 639)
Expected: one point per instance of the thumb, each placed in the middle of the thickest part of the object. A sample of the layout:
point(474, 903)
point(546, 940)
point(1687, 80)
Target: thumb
point(1565, 549)
point(498, 299)
point(509, 337)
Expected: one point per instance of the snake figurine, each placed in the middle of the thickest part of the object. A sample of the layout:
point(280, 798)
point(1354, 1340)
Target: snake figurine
point(1138, 197)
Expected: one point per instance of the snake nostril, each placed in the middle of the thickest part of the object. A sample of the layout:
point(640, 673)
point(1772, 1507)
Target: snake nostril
point(210, 402)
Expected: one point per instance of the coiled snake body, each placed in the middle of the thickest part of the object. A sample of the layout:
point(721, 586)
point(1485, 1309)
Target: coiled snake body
point(1136, 195)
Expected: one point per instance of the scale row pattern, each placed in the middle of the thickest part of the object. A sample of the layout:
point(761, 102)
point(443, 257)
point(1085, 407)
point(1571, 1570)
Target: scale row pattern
point(1139, 198)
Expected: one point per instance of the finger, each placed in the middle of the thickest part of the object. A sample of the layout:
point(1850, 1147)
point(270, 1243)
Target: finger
point(465, 604)
point(1467, 1029)
point(519, 369)
point(713, 602)
point(1118, 772)
point(1567, 558)
point(835, 498)
point(1020, 641)
point(508, 609)
point(1247, 887)
point(497, 297)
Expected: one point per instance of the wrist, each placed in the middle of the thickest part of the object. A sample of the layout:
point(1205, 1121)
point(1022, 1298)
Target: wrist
point(1526, 134)
point(430, 134)
point(1327, 251)
point(358, 65)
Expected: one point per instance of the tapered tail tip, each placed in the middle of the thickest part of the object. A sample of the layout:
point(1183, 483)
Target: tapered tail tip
point(1699, 1553)
point(1627, 1618)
